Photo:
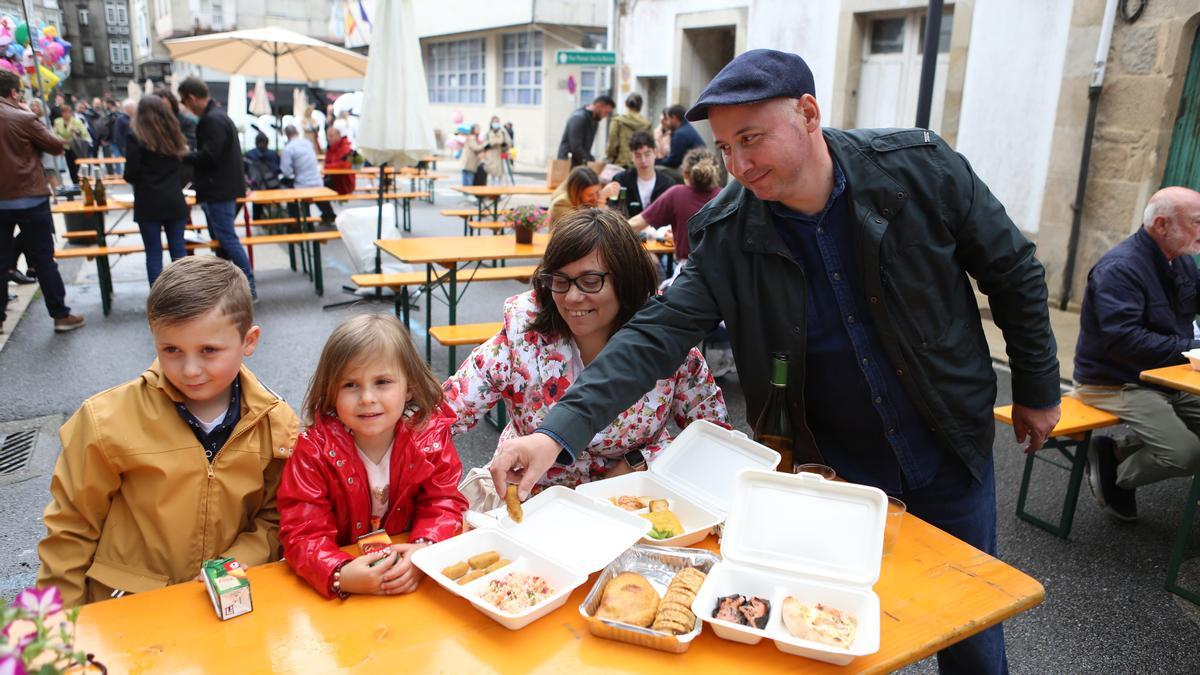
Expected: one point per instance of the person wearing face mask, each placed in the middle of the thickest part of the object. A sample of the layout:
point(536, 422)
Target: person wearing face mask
point(495, 145)
point(593, 277)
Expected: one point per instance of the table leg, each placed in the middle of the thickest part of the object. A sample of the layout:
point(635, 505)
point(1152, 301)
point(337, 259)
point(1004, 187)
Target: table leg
point(453, 311)
point(1078, 459)
point(318, 273)
point(1181, 542)
point(104, 274)
point(428, 311)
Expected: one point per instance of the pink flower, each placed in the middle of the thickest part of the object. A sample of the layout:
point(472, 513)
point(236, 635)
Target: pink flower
point(11, 665)
point(38, 602)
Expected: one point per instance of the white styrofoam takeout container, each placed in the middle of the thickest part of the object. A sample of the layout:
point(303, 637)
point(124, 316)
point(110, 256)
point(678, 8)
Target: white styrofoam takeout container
point(1193, 357)
point(803, 536)
point(563, 537)
point(695, 473)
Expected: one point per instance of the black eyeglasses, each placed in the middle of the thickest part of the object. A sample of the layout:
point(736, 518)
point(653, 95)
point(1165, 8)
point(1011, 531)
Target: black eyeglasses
point(588, 282)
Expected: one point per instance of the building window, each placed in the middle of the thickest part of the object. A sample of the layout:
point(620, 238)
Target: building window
point(454, 71)
point(522, 69)
point(89, 54)
point(594, 81)
point(83, 17)
point(120, 55)
point(110, 12)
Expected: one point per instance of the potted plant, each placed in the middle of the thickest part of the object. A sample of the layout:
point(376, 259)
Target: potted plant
point(34, 640)
point(525, 220)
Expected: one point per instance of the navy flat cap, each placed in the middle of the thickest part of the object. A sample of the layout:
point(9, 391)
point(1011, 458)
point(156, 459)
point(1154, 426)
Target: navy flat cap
point(756, 75)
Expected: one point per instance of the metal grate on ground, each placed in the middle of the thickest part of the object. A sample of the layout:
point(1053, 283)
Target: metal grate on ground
point(16, 451)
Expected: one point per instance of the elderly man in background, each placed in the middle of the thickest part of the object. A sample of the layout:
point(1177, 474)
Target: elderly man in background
point(1137, 314)
point(25, 201)
point(338, 156)
point(299, 166)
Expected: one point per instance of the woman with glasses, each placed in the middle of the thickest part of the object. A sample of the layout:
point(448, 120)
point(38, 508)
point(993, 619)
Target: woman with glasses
point(594, 276)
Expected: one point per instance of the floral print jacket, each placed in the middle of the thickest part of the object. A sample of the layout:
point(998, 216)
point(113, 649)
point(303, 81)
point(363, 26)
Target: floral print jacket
point(531, 372)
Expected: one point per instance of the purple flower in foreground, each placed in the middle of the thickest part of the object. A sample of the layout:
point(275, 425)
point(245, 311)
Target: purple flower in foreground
point(41, 603)
point(11, 665)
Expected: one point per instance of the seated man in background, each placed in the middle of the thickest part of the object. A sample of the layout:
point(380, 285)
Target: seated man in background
point(1137, 314)
point(337, 156)
point(644, 183)
point(299, 165)
point(684, 137)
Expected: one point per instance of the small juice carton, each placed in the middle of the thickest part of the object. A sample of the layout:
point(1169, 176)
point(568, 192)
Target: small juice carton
point(375, 540)
point(228, 587)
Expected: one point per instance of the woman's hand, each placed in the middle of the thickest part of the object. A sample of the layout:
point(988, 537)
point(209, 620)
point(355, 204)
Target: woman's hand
point(610, 191)
point(403, 576)
point(359, 577)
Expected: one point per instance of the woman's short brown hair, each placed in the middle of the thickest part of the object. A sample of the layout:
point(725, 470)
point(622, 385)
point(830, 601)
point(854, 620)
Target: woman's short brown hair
point(631, 270)
point(371, 336)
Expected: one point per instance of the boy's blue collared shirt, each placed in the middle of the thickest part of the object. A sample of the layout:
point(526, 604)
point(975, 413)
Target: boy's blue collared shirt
point(855, 403)
point(214, 440)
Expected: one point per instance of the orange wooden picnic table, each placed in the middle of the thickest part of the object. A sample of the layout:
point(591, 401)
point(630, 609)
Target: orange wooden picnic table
point(488, 196)
point(934, 590)
point(97, 161)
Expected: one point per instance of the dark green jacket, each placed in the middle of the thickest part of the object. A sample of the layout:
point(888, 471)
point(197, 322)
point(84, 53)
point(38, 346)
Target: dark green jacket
point(923, 222)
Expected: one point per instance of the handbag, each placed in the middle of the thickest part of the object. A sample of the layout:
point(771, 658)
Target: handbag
point(481, 174)
point(80, 147)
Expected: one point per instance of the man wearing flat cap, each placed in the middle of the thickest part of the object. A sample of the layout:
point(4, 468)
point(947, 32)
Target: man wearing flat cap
point(851, 250)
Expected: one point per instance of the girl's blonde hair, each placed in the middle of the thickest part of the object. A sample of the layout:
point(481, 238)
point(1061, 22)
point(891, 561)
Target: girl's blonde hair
point(375, 337)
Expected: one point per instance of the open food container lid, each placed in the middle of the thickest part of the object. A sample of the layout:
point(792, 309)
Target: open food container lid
point(804, 524)
point(702, 460)
point(574, 530)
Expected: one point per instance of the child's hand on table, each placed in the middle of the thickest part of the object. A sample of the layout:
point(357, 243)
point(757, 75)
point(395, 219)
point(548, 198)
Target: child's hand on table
point(403, 576)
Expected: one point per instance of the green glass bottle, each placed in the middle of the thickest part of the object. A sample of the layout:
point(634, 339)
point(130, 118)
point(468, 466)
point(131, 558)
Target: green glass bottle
point(774, 426)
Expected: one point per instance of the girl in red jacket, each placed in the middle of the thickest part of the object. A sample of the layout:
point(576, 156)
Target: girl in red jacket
point(377, 454)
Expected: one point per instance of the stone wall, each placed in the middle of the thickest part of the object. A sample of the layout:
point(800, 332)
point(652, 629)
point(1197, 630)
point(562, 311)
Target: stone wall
point(1146, 67)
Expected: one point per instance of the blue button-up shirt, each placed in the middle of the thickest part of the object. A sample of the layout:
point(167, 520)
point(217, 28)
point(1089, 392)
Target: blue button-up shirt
point(214, 440)
point(862, 419)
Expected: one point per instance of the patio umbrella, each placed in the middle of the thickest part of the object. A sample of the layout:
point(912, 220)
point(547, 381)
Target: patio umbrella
point(148, 87)
point(269, 51)
point(236, 106)
point(395, 126)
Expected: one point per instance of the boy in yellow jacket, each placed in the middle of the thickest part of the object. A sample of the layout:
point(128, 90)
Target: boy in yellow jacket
point(179, 465)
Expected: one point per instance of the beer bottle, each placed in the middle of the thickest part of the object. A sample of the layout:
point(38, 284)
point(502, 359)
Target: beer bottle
point(86, 187)
point(774, 426)
point(99, 192)
point(623, 203)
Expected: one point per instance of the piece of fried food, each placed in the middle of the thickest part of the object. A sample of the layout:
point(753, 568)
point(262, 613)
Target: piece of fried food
point(514, 504)
point(469, 577)
point(630, 503)
point(495, 566)
point(659, 505)
point(456, 570)
point(482, 560)
point(675, 610)
point(630, 599)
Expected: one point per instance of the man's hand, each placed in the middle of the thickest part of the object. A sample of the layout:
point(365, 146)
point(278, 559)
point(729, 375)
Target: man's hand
point(523, 460)
point(1034, 423)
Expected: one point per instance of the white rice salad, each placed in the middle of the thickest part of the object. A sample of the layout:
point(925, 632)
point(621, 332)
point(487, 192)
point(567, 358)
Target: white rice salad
point(517, 591)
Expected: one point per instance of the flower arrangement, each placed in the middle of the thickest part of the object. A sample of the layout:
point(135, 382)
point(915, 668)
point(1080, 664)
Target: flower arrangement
point(46, 649)
point(527, 217)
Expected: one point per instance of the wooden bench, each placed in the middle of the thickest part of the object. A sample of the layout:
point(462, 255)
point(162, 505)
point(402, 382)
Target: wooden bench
point(309, 241)
point(121, 232)
point(494, 226)
point(468, 215)
point(1070, 437)
point(465, 333)
point(401, 281)
point(267, 222)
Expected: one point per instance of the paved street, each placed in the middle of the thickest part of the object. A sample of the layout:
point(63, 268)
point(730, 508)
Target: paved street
point(1105, 608)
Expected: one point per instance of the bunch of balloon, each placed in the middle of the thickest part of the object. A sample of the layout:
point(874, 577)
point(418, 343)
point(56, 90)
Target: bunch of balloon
point(54, 61)
point(11, 51)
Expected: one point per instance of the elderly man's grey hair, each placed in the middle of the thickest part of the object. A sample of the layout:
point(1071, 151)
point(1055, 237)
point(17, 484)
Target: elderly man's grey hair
point(1161, 204)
